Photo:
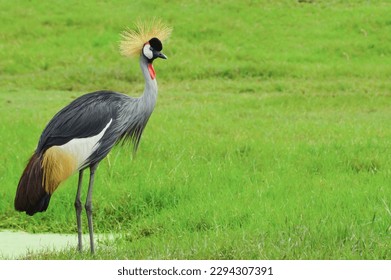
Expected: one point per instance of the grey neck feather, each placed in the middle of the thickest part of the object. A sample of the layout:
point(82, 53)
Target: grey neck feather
point(150, 92)
point(134, 114)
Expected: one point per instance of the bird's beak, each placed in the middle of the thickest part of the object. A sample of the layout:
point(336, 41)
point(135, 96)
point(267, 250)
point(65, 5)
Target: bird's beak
point(161, 55)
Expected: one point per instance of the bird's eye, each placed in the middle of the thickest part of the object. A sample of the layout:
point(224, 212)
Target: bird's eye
point(150, 48)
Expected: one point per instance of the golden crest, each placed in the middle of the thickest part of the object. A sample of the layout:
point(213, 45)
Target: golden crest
point(134, 39)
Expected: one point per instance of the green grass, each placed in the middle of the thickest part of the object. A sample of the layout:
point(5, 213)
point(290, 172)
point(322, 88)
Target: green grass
point(270, 139)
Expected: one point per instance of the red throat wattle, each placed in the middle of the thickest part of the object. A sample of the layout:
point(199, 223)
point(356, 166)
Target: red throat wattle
point(151, 71)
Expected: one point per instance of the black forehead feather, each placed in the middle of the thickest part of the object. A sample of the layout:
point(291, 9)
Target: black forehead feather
point(156, 44)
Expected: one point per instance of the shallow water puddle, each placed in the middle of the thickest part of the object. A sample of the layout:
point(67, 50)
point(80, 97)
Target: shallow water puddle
point(16, 244)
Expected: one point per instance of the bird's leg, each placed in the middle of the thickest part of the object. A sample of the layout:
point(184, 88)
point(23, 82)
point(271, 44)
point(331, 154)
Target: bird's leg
point(78, 212)
point(88, 206)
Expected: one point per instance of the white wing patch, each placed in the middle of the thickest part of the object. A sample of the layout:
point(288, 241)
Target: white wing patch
point(82, 148)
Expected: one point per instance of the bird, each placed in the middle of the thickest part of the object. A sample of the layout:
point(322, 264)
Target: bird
point(81, 134)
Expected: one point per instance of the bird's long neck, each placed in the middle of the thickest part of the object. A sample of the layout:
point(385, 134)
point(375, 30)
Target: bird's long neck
point(150, 91)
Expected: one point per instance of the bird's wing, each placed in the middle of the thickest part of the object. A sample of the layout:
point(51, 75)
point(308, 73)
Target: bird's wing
point(85, 117)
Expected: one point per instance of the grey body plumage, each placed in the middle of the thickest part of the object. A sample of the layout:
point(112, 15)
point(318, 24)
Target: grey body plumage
point(89, 114)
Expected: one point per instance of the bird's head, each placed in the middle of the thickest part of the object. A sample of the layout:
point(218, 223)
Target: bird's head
point(153, 49)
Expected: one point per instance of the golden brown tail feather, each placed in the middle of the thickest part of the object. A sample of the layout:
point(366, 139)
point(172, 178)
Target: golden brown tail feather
point(31, 196)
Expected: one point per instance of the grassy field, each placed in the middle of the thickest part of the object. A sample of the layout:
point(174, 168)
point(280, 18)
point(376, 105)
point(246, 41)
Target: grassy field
point(270, 138)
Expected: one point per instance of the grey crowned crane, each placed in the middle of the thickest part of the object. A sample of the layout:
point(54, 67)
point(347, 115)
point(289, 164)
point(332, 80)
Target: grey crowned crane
point(81, 134)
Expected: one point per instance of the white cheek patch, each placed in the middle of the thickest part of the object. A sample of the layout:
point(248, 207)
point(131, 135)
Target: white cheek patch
point(147, 51)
